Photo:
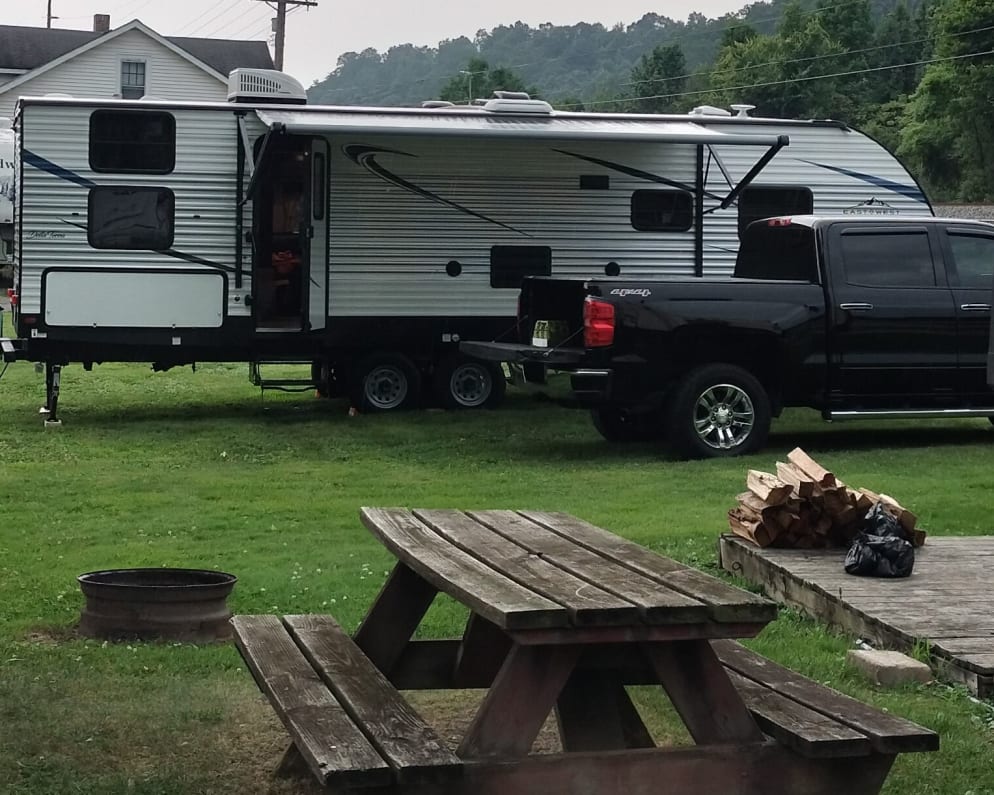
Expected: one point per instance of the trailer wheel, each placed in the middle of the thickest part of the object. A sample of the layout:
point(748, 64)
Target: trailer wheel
point(621, 425)
point(385, 382)
point(719, 410)
point(461, 382)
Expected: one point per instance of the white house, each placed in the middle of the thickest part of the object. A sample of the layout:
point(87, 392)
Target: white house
point(131, 61)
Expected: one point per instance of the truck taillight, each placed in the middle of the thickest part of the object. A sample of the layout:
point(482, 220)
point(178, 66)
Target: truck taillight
point(12, 295)
point(598, 323)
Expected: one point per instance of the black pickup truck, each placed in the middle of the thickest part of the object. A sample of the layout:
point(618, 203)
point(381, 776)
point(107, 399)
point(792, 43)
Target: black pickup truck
point(853, 316)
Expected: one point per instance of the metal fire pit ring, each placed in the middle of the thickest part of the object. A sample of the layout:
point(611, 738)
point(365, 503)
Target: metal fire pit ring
point(156, 604)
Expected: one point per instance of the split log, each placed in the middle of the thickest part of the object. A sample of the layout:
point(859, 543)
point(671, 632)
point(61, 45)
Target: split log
point(812, 469)
point(804, 487)
point(769, 488)
point(741, 524)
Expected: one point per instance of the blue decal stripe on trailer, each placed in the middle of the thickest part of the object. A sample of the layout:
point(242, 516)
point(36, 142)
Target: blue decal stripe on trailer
point(910, 191)
point(55, 169)
point(365, 156)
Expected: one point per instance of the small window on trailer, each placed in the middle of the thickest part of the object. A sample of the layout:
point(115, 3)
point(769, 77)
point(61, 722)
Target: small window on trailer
point(131, 217)
point(768, 201)
point(662, 210)
point(132, 141)
point(132, 79)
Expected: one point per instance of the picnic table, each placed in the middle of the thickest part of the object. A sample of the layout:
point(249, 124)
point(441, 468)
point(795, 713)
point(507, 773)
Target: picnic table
point(562, 616)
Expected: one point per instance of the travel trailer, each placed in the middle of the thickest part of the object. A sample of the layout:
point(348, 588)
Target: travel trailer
point(368, 242)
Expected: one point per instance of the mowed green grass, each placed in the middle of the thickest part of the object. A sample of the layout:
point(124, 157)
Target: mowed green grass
point(199, 470)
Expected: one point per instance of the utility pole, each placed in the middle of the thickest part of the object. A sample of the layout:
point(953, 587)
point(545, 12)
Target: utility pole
point(279, 24)
point(49, 17)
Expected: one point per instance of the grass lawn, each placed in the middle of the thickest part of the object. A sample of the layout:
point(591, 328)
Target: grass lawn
point(196, 469)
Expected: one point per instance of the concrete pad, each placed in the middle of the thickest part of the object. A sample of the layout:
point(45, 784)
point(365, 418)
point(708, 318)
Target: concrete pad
point(889, 668)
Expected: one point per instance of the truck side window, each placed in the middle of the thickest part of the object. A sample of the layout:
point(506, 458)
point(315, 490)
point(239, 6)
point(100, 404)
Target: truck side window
point(132, 141)
point(973, 260)
point(662, 210)
point(769, 201)
point(888, 259)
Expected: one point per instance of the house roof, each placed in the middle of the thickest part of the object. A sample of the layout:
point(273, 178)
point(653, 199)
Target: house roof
point(30, 48)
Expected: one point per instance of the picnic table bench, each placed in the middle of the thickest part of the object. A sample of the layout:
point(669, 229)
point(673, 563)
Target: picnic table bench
point(562, 616)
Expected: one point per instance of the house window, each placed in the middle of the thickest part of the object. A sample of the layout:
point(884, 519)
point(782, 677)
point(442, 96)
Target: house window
point(132, 141)
point(662, 210)
point(132, 79)
point(758, 202)
point(126, 217)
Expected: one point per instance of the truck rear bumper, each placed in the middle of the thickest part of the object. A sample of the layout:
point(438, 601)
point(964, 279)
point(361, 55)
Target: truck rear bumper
point(591, 387)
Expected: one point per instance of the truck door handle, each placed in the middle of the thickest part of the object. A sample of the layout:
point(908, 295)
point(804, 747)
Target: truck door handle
point(856, 306)
point(975, 307)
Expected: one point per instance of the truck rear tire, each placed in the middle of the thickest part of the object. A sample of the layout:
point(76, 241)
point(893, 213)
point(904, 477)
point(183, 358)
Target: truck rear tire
point(620, 425)
point(719, 410)
point(385, 382)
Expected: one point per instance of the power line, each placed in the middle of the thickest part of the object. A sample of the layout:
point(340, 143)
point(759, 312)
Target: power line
point(281, 6)
point(193, 28)
point(254, 22)
point(787, 81)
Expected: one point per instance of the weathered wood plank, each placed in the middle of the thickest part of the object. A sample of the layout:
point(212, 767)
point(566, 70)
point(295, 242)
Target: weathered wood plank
point(396, 730)
point(887, 733)
point(333, 747)
point(809, 733)
point(595, 713)
point(766, 768)
point(497, 598)
point(656, 603)
point(588, 604)
point(725, 603)
point(482, 652)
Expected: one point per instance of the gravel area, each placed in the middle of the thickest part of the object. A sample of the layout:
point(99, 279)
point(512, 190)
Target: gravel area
point(978, 212)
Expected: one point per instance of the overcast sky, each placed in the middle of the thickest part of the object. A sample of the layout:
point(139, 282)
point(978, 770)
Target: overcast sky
point(317, 36)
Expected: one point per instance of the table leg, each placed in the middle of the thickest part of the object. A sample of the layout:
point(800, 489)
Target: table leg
point(519, 701)
point(701, 692)
point(482, 651)
point(292, 764)
point(394, 616)
point(595, 713)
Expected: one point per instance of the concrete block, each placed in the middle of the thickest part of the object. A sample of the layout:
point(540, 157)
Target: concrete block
point(889, 668)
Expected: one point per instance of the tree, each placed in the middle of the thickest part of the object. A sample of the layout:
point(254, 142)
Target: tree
point(657, 79)
point(479, 80)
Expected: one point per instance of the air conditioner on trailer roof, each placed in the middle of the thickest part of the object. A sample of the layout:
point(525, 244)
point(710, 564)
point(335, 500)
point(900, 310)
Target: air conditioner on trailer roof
point(265, 85)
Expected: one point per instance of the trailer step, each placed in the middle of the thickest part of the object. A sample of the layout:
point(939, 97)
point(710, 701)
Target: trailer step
point(282, 380)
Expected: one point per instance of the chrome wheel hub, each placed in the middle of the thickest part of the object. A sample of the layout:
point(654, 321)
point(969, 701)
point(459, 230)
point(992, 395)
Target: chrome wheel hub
point(724, 416)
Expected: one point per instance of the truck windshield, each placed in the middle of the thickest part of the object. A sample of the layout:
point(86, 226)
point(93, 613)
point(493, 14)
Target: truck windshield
point(777, 252)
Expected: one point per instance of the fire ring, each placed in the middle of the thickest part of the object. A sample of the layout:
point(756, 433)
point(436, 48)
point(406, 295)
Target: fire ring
point(156, 604)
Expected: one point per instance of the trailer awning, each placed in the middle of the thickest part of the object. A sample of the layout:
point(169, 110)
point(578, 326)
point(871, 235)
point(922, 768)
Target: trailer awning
point(475, 122)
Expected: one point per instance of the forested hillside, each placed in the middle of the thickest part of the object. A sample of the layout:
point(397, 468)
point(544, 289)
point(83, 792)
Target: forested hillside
point(918, 74)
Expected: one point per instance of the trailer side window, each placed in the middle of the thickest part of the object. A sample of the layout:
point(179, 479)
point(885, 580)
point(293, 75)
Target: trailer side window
point(125, 217)
point(767, 201)
point(132, 141)
point(510, 264)
point(662, 210)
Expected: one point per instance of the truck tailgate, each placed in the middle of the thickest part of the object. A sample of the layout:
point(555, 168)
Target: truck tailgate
point(521, 354)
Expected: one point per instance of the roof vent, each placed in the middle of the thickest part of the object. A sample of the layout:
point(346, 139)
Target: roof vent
point(709, 110)
point(517, 102)
point(437, 103)
point(742, 111)
point(264, 86)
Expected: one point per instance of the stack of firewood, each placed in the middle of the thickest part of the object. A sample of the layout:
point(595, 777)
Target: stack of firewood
point(805, 506)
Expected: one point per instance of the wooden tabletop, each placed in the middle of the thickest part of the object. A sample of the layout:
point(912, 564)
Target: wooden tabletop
point(532, 570)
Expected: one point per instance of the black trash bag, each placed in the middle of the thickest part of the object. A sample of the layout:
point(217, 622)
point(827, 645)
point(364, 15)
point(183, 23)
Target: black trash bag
point(880, 522)
point(880, 556)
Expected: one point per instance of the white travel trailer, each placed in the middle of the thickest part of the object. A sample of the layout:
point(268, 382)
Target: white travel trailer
point(369, 241)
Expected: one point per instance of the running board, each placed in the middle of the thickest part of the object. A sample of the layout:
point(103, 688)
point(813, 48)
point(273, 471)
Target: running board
point(897, 414)
point(286, 384)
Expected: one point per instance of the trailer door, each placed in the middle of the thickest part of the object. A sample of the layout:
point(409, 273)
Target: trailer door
point(317, 282)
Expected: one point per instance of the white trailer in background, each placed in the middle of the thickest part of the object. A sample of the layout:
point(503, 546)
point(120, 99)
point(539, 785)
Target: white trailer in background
point(6, 196)
point(369, 241)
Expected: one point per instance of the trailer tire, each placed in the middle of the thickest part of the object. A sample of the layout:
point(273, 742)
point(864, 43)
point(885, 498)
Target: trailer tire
point(385, 382)
point(461, 382)
point(620, 425)
point(718, 411)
